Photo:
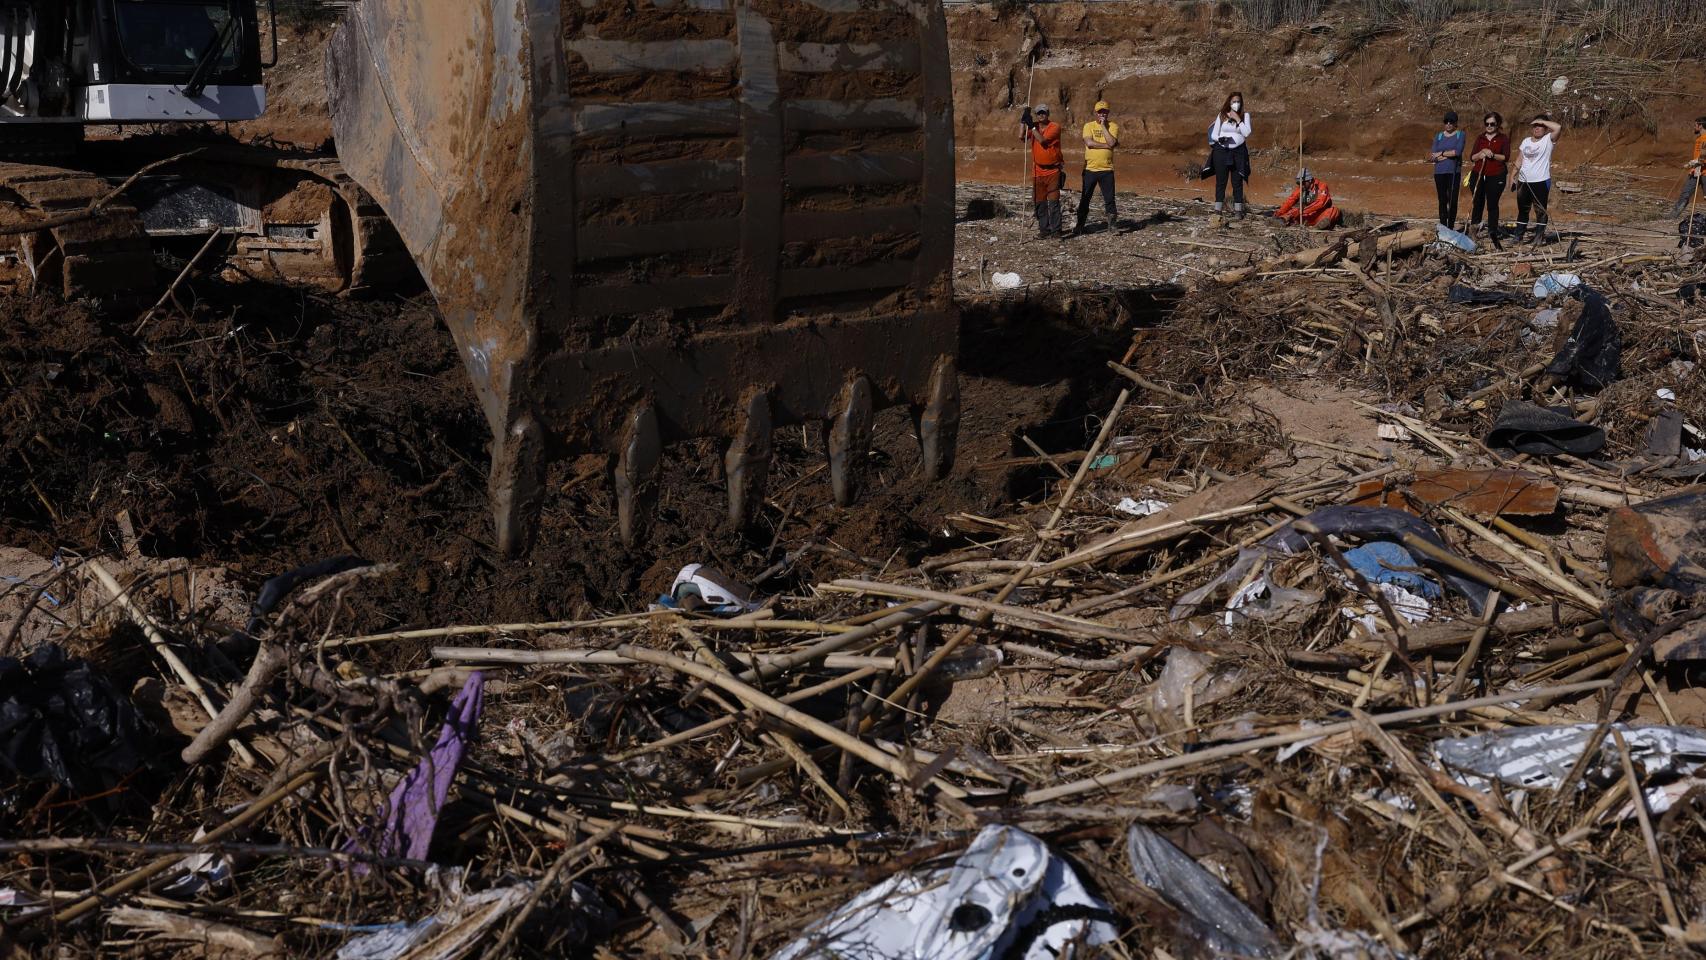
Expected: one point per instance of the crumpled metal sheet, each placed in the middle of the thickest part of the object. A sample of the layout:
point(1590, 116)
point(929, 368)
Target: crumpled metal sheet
point(1539, 757)
point(1007, 891)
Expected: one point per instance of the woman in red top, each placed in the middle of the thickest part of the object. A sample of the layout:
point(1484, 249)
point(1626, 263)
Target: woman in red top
point(1487, 173)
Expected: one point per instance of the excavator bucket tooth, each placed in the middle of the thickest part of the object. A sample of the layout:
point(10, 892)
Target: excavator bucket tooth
point(849, 439)
point(664, 202)
point(746, 464)
point(939, 420)
point(637, 471)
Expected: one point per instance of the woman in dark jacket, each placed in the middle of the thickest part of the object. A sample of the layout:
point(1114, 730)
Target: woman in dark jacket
point(1230, 156)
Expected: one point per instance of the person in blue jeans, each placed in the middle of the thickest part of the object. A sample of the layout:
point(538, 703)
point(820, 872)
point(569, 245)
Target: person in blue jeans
point(1447, 156)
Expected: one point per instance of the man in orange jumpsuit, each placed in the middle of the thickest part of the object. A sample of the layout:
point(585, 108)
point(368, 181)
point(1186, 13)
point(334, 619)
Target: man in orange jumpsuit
point(1048, 168)
point(1311, 203)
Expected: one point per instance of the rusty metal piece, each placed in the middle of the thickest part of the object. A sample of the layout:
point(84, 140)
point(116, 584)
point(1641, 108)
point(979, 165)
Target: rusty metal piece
point(939, 420)
point(637, 466)
point(1482, 493)
point(849, 439)
point(654, 202)
point(746, 464)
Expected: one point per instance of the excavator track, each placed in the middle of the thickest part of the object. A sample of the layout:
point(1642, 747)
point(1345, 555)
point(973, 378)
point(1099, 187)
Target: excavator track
point(293, 219)
point(654, 220)
point(106, 254)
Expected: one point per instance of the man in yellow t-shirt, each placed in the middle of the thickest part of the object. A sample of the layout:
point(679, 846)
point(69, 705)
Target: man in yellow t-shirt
point(1101, 136)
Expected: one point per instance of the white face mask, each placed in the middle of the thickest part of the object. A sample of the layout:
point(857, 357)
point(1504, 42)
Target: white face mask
point(1237, 104)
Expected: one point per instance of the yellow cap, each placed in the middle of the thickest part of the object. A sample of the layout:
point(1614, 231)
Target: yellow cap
point(1100, 106)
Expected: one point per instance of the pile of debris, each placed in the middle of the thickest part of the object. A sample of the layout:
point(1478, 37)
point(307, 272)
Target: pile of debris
point(1365, 626)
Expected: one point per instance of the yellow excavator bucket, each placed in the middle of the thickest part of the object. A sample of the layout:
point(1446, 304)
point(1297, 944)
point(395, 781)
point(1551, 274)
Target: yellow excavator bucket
point(652, 220)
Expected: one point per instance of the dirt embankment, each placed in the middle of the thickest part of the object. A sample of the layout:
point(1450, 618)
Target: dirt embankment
point(1368, 98)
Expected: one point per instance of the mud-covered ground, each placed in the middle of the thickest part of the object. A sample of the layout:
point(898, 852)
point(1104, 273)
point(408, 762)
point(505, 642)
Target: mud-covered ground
point(271, 427)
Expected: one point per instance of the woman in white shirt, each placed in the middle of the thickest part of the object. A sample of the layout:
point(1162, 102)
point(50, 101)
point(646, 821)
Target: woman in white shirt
point(1534, 177)
point(1230, 157)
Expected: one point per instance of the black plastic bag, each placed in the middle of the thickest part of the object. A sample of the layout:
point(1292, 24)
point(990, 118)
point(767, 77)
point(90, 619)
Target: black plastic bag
point(62, 720)
point(1593, 355)
point(1691, 232)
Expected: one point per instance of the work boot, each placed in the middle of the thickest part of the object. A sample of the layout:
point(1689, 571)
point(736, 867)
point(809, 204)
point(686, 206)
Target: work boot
point(1238, 211)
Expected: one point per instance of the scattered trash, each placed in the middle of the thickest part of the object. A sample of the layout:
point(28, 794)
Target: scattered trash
point(1483, 493)
point(1006, 281)
point(1412, 608)
point(1378, 523)
point(466, 918)
point(1210, 915)
point(699, 588)
point(411, 814)
point(1386, 562)
point(1659, 543)
point(1538, 431)
point(1461, 241)
point(1592, 355)
point(1187, 681)
point(62, 720)
point(1006, 886)
point(1469, 296)
point(1139, 508)
point(1690, 234)
point(1551, 284)
point(1539, 757)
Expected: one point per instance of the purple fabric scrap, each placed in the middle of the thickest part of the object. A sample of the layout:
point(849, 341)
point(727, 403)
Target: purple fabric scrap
point(412, 811)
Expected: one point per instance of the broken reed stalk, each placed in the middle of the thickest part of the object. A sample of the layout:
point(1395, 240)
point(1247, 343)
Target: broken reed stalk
point(760, 700)
point(1041, 618)
point(1545, 574)
point(533, 658)
point(1225, 751)
point(1638, 799)
point(1488, 615)
point(172, 288)
point(570, 855)
point(98, 896)
point(903, 692)
point(1396, 623)
point(1408, 765)
point(710, 727)
point(1152, 387)
point(157, 640)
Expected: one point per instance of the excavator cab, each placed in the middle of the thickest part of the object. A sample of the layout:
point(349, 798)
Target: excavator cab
point(653, 220)
point(73, 62)
point(292, 215)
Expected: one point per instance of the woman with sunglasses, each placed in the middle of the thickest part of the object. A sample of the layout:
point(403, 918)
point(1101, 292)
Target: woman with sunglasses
point(1487, 173)
point(1534, 177)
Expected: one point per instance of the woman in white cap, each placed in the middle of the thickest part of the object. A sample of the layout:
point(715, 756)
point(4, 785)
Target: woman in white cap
point(1230, 157)
point(1101, 136)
